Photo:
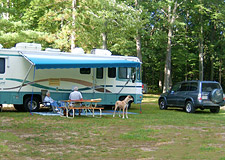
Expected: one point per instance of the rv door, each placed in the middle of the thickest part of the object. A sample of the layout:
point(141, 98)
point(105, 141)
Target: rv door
point(99, 79)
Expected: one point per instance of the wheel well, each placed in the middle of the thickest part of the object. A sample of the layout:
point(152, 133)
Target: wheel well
point(34, 96)
point(188, 99)
point(162, 98)
point(121, 98)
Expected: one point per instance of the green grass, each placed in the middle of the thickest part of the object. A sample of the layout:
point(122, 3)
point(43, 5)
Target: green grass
point(154, 134)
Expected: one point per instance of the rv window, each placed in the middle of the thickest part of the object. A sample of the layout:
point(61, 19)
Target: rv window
point(123, 73)
point(111, 72)
point(133, 73)
point(99, 73)
point(85, 70)
point(2, 65)
point(138, 73)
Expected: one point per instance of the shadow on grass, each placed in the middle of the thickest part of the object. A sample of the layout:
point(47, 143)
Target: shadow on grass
point(198, 111)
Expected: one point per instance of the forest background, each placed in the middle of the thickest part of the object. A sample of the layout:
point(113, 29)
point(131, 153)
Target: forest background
point(176, 40)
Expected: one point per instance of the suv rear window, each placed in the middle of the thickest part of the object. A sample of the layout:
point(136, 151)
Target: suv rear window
point(208, 87)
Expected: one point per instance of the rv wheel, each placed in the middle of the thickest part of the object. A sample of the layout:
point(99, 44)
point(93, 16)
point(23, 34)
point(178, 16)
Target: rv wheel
point(129, 104)
point(35, 104)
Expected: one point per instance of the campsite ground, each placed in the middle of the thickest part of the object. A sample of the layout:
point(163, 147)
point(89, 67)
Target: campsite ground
point(154, 134)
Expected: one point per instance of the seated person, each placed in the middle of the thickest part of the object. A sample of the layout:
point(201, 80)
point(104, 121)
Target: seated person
point(50, 102)
point(76, 95)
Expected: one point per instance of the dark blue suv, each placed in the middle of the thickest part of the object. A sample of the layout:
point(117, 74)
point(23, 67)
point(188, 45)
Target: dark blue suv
point(191, 95)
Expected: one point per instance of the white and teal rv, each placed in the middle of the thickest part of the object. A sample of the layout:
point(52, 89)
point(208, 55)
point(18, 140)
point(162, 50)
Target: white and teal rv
point(27, 72)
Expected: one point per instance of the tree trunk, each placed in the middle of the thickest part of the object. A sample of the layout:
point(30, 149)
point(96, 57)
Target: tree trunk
point(6, 15)
point(220, 72)
point(167, 69)
point(212, 68)
point(104, 36)
point(201, 60)
point(186, 46)
point(201, 54)
point(73, 38)
point(160, 79)
point(212, 39)
point(8, 7)
point(138, 37)
point(138, 46)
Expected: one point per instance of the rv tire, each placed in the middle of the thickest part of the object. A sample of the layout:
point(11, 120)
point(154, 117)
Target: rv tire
point(129, 104)
point(35, 104)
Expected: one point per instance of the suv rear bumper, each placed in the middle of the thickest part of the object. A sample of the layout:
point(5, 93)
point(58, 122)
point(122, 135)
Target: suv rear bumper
point(209, 104)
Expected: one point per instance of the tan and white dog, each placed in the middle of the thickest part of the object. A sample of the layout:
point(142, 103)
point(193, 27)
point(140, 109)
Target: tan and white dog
point(122, 105)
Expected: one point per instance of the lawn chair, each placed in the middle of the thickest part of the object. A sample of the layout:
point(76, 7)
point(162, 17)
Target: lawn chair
point(47, 104)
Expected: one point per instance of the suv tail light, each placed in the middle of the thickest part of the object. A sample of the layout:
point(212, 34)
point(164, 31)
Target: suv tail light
point(199, 96)
point(223, 96)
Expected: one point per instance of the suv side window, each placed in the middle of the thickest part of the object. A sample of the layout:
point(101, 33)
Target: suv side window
point(176, 87)
point(184, 87)
point(193, 86)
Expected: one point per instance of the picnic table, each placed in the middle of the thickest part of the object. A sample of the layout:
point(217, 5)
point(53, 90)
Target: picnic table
point(88, 105)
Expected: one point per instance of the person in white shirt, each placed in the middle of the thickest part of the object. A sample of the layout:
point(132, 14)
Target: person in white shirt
point(76, 95)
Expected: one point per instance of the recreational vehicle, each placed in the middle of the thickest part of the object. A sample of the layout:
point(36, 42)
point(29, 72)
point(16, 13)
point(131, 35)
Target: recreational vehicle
point(27, 73)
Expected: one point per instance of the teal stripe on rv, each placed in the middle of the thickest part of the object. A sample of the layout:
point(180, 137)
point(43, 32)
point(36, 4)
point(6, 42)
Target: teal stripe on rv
point(44, 87)
point(129, 86)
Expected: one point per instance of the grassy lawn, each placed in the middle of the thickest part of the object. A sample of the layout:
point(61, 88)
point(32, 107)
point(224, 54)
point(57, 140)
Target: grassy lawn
point(155, 134)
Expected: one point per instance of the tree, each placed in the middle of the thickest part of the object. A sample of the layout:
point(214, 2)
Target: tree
point(175, 39)
point(74, 4)
point(171, 15)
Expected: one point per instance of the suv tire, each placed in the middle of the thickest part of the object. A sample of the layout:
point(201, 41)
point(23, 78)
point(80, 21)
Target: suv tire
point(216, 96)
point(189, 107)
point(162, 104)
point(215, 110)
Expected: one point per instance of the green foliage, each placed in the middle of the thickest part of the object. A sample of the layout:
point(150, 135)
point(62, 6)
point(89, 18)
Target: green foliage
point(49, 22)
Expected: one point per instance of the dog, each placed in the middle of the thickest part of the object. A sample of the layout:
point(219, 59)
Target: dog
point(122, 105)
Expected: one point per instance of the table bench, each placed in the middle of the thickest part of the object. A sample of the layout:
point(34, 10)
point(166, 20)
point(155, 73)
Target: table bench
point(89, 104)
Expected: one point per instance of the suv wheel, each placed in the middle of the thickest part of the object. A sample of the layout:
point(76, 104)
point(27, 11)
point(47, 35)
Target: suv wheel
point(162, 104)
point(217, 95)
point(189, 107)
point(215, 110)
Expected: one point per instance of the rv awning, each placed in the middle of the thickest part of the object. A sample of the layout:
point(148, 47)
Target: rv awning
point(54, 61)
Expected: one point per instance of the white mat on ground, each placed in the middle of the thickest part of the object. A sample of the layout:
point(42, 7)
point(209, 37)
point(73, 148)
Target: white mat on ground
point(107, 112)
